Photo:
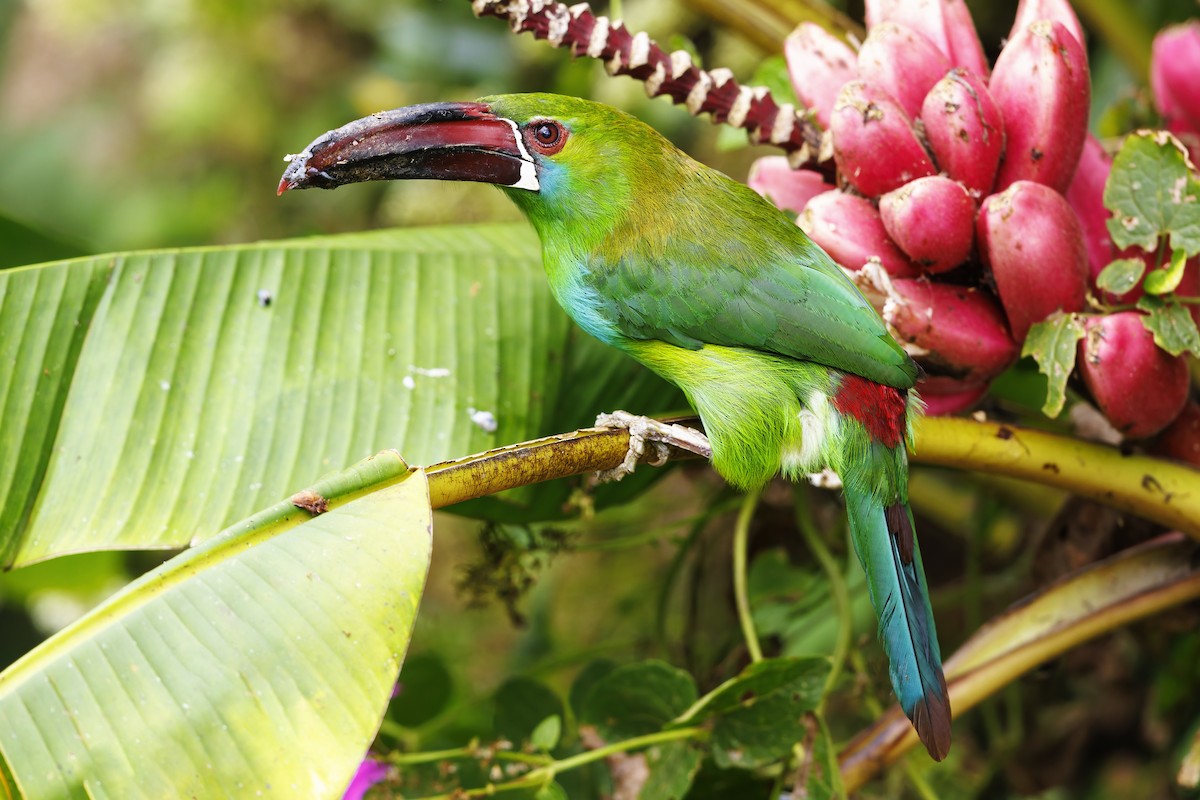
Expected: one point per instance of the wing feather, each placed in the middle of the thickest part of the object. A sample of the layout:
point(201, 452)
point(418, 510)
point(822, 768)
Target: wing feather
point(758, 282)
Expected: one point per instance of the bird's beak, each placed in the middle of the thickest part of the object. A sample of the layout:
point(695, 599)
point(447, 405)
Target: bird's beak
point(444, 141)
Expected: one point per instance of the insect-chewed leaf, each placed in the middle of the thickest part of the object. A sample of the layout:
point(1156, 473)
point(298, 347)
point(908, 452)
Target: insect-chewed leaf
point(1052, 343)
point(636, 699)
point(760, 714)
point(1153, 191)
point(1172, 325)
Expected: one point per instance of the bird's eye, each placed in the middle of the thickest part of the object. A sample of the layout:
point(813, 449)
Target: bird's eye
point(546, 136)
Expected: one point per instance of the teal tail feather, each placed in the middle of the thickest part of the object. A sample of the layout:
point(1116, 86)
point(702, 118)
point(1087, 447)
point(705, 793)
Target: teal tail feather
point(883, 537)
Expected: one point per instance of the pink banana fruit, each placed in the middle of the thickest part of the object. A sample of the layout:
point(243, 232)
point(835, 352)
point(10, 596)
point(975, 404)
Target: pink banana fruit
point(965, 130)
point(1030, 11)
point(1032, 241)
point(819, 65)
point(874, 145)
point(946, 23)
point(925, 16)
point(787, 188)
point(1174, 65)
point(1140, 388)
point(957, 332)
point(1181, 439)
point(946, 396)
point(902, 62)
point(849, 228)
point(966, 50)
point(1041, 85)
point(932, 219)
point(1086, 197)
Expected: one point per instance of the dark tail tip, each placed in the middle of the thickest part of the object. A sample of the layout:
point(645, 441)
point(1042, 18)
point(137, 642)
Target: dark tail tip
point(931, 718)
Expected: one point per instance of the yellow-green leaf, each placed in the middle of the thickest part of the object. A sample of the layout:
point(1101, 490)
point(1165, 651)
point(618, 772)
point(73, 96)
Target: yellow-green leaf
point(258, 664)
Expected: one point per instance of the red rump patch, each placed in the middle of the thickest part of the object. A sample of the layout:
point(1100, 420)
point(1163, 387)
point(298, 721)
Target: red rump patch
point(879, 408)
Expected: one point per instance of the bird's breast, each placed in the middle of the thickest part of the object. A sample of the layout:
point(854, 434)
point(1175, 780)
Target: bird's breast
point(582, 300)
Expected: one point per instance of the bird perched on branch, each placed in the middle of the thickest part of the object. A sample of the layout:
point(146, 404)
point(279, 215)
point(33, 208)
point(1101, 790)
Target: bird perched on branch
point(709, 285)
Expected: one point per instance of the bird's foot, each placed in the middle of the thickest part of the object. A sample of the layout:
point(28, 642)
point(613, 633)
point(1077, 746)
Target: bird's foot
point(659, 435)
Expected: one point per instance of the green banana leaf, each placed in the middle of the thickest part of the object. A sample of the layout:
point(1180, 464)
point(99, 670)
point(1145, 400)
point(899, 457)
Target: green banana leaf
point(148, 399)
point(258, 664)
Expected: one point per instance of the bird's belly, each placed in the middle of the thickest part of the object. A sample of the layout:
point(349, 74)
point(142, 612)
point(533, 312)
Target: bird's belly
point(761, 411)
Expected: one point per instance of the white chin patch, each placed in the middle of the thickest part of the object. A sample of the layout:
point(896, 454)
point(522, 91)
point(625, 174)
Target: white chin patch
point(529, 179)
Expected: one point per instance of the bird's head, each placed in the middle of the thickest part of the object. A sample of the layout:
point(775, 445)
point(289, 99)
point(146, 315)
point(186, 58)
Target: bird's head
point(557, 157)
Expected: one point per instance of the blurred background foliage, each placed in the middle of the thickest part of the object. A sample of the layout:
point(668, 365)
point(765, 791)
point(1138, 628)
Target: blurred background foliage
point(142, 125)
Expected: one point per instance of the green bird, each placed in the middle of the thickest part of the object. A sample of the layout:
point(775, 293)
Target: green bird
point(709, 285)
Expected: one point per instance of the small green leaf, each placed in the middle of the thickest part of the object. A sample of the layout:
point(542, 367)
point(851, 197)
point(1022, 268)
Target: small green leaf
point(551, 791)
point(672, 767)
point(587, 678)
point(760, 714)
point(772, 72)
point(547, 733)
point(1152, 192)
point(679, 41)
point(1052, 343)
point(1121, 275)
point(636, 699)
point(1162, 281)
point(794, 681)
point(522, 706)
point(730, 138)
point(1172, 325)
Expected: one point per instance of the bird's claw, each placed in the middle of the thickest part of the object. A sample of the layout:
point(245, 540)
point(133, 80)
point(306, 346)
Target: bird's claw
point(645, 431)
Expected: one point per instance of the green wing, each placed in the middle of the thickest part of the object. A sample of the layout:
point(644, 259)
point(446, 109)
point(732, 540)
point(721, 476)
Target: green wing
point(762, 285)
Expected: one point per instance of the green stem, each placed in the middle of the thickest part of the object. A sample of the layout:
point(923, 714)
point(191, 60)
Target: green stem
point(430, 756)
point(624, 746)
point(837, 590)
point(741, 538)
point(543, 775)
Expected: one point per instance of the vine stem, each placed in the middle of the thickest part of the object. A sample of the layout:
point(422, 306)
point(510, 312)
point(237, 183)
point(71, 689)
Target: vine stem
point(741, 545)
point(837, 590)
point(542, 775)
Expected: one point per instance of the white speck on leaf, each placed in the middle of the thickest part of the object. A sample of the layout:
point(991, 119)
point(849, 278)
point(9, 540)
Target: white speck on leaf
point(164, 385)
point(486, 420)
point(408, 382)
point(429, 372)
point(1179, 190)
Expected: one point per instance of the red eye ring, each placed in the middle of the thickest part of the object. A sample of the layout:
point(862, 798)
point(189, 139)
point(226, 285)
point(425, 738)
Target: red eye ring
point(546, 136)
